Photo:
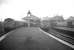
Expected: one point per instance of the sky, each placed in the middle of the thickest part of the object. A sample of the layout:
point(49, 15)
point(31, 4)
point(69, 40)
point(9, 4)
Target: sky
point(18, 9)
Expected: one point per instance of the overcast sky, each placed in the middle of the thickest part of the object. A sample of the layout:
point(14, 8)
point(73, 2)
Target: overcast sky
point(41, 8)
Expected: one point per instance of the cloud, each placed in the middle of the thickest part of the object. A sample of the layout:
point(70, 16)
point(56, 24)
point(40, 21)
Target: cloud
point(3, 2)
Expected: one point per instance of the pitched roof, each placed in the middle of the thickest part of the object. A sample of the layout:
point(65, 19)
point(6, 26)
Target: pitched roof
point(31, 16)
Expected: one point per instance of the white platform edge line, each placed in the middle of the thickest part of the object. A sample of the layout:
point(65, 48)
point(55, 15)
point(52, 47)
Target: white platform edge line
point(2, 37)
point(64, 42)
